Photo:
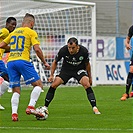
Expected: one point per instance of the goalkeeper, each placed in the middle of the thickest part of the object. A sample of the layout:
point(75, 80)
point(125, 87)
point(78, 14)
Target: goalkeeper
point(75, 64)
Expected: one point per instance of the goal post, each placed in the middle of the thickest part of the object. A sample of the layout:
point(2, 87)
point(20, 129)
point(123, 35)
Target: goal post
point(56, 21)
point(93, 29)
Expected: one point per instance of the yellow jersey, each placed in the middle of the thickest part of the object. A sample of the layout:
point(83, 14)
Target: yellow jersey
point(21, 41)
point(3, 34)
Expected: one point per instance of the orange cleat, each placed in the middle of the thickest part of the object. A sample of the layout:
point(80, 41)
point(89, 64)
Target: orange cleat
point(124, 97)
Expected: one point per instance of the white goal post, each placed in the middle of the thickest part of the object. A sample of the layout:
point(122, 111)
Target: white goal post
point(56, 21)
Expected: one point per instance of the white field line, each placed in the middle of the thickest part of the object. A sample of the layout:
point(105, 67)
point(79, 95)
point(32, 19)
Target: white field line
point(73, 129)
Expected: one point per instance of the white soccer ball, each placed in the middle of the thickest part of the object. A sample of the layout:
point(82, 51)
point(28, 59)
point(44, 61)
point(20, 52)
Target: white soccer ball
point(44, 111)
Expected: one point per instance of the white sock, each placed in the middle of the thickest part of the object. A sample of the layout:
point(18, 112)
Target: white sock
point(3, 87)
point(15, 102)
point(35, 95)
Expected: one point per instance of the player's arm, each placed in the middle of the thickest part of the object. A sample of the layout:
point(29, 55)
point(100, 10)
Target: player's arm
point(128, 38)
point(40, 55)
point(37, 49)
point(7, 50)
point(127, 43)
point(5, 46)
point(54, 65)
point(53, 68)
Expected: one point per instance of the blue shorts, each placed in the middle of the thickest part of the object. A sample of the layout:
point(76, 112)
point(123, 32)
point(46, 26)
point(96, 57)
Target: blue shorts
point(24, 68)
point(3, 69)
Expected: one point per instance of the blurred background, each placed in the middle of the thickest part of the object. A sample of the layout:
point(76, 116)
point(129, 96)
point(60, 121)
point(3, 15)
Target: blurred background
point(113, 16)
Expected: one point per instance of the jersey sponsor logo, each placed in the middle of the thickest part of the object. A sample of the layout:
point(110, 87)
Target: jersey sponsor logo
point(15, 54)
point(74, 63)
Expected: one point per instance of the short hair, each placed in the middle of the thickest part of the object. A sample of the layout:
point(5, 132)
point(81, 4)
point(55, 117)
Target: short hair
point(29, 15)
point(72, 40)
point(10, 19)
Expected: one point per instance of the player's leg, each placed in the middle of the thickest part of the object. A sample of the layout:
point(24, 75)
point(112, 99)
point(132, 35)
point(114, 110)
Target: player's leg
point(62, 78)
point(4, 75)
point(51, 91)
point(4, 84)
point(31, 77)
point(15, 103)
point(1, 92)
point(14, 77)
point(128, 83)
point(84, 81)
point(35, 94)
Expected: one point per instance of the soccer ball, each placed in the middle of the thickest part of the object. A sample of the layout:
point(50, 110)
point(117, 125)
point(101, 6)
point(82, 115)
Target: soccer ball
point(44, 111)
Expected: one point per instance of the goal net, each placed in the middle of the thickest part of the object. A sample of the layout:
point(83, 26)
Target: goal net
point(56, 21)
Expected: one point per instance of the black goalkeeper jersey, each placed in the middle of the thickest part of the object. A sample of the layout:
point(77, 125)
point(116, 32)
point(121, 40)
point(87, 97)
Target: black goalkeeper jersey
point(73, 62)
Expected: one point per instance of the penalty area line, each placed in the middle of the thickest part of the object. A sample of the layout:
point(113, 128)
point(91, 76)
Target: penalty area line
point(74, 129)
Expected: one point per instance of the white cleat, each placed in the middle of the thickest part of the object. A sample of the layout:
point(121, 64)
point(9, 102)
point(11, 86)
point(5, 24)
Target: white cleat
point(42, 90)
point(9, 90)
point(1, 107)
point(96, 111)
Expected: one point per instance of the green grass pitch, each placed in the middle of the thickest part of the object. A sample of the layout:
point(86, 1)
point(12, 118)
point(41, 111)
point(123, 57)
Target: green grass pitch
point(70, 112)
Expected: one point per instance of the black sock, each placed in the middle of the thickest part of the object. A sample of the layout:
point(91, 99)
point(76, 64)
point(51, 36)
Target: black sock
point(91, 96)
point(49, 96)
point(128, 82)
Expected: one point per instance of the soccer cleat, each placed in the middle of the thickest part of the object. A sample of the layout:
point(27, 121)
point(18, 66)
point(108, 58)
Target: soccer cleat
point(14, 117)
point(31, 110)
point(45, 108)
point(131, 94)
point(124, 97)
point(1, 107)
point(42, 91)
point(9, 90)
point(96, 111)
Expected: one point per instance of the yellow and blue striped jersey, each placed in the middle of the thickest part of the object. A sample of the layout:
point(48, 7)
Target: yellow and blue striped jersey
point(21, 40)
point(3, 34)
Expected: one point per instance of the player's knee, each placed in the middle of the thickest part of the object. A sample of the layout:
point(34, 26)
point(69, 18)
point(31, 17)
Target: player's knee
point(85, 82)
point(37, 83)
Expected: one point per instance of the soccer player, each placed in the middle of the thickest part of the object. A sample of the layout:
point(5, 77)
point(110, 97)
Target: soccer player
point(130, 74)
point(21, 40)
point(4, 32)
point(75, 64)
